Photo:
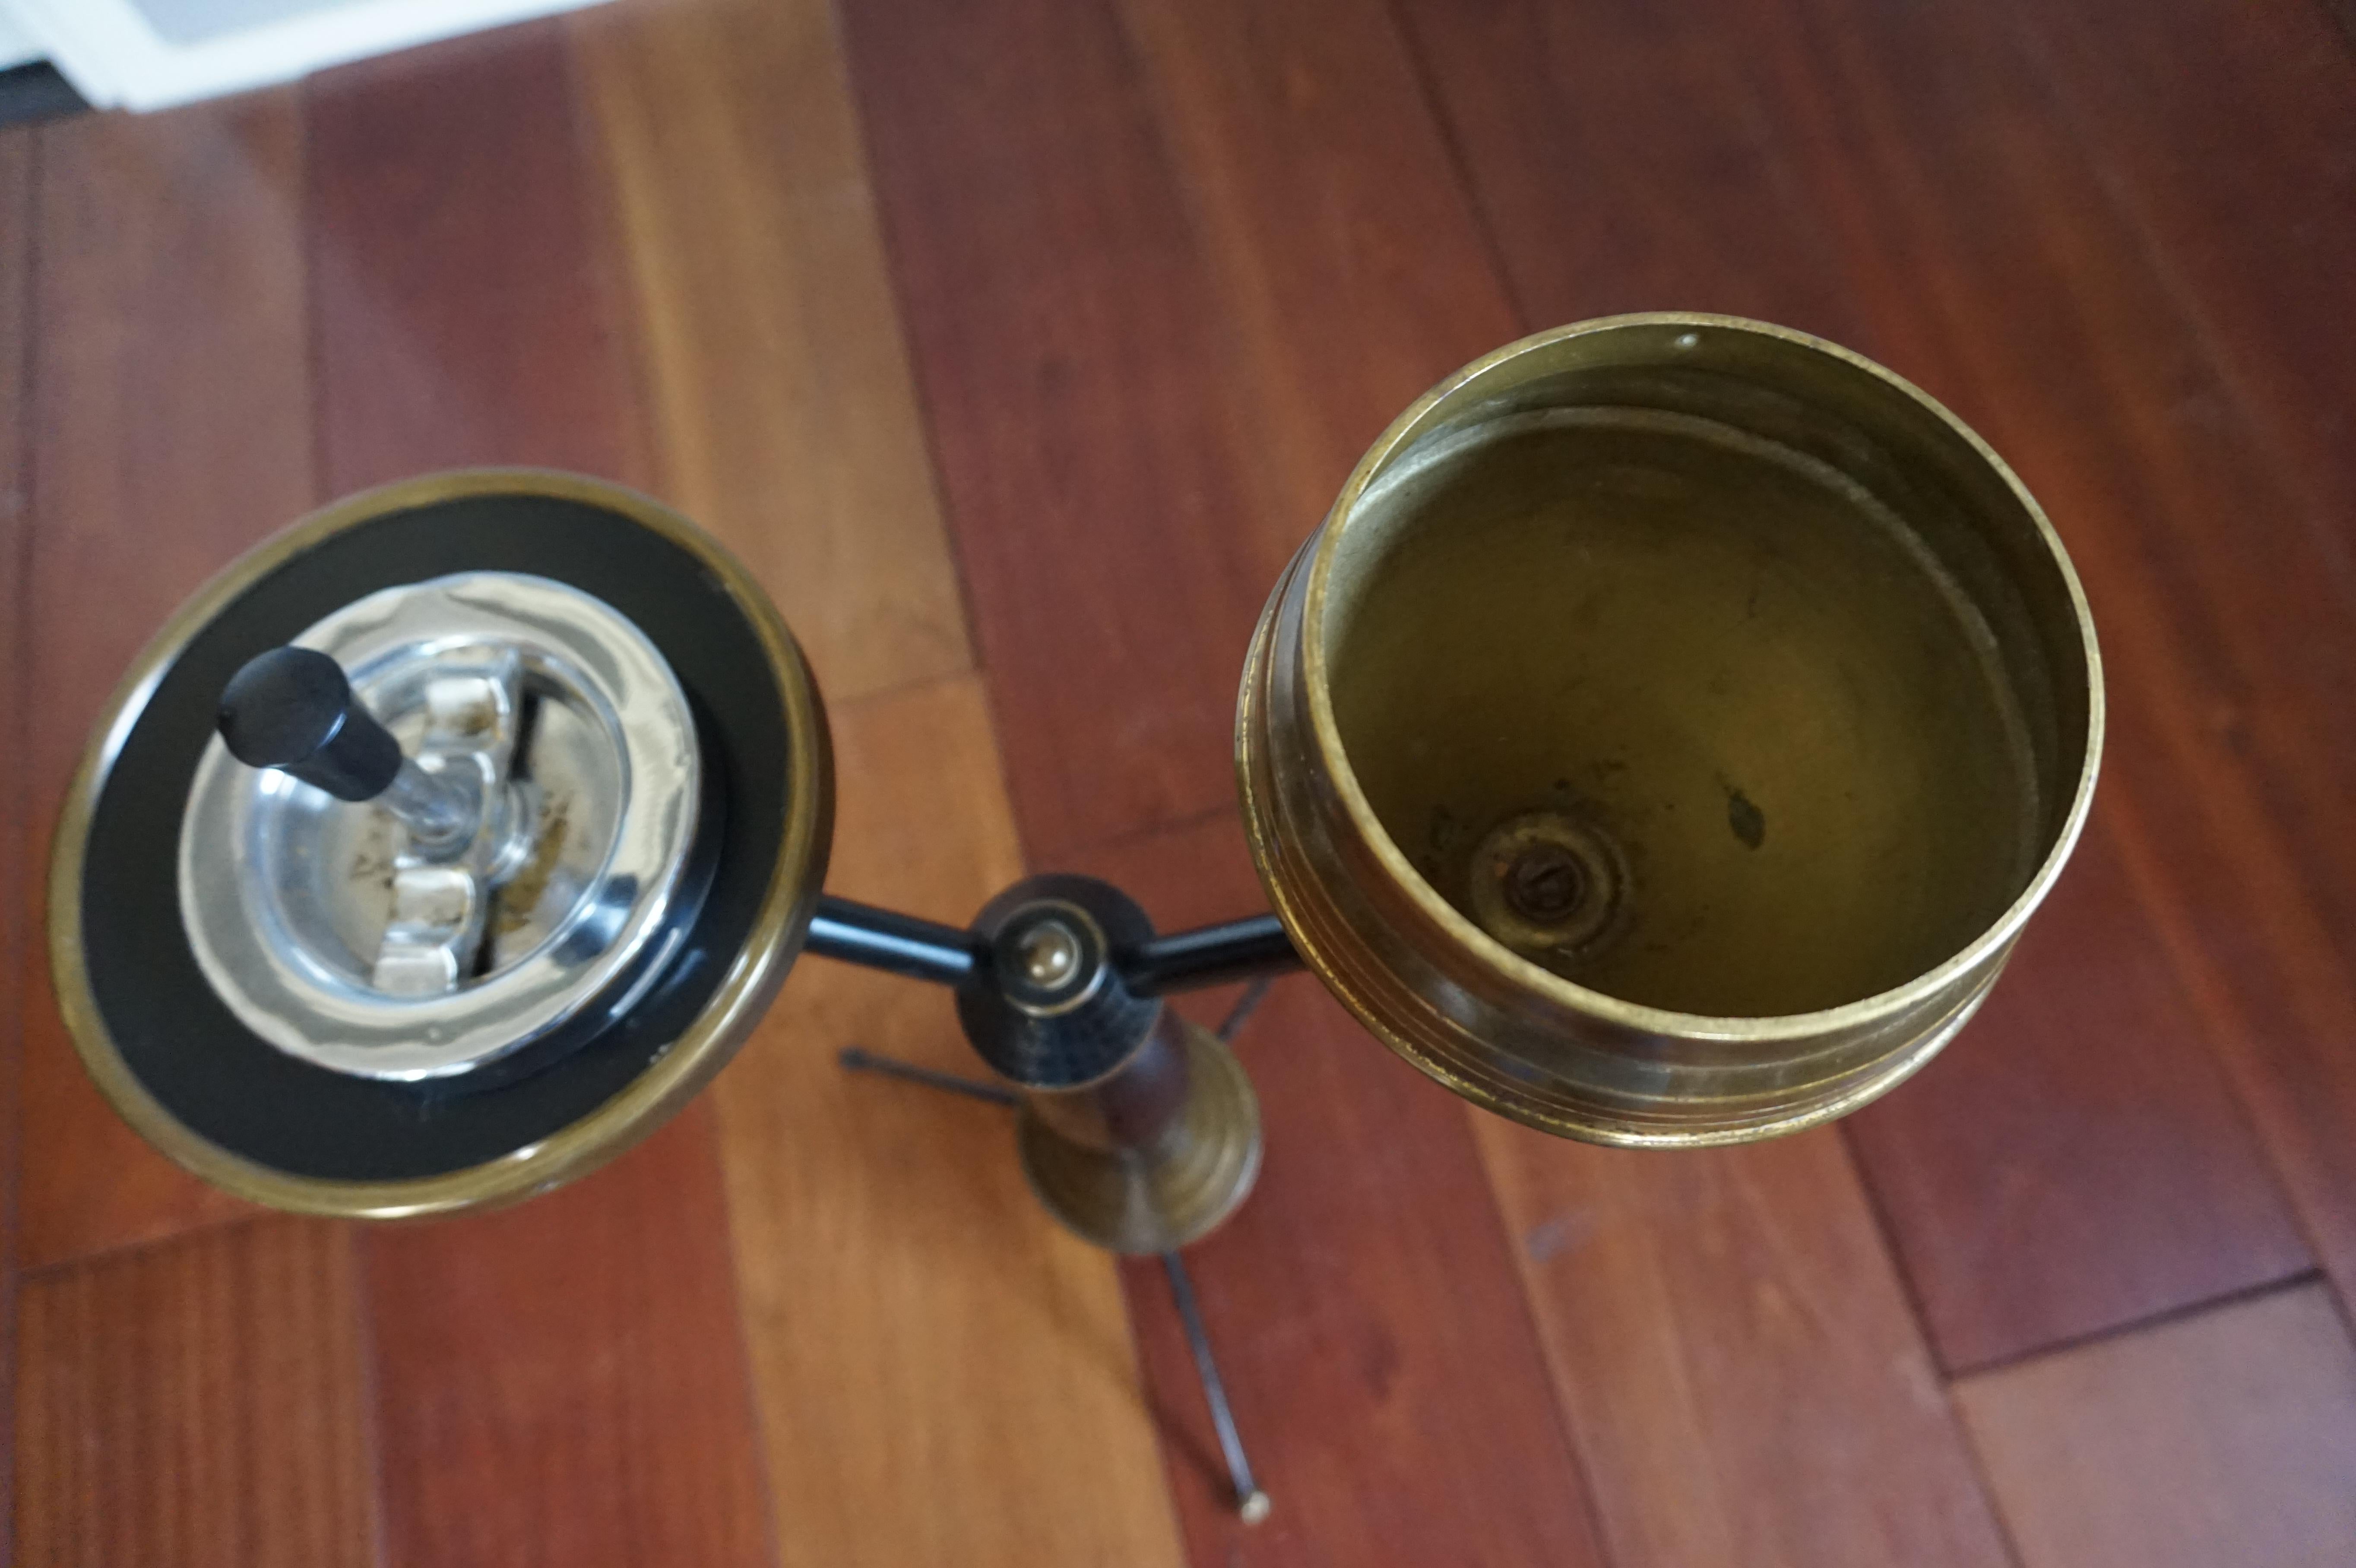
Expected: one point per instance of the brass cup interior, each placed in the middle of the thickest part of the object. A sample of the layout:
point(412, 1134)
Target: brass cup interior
point(1784, 723)
point(1710, 697)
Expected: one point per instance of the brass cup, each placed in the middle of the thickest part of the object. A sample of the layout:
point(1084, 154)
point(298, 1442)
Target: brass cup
point(1669, 730)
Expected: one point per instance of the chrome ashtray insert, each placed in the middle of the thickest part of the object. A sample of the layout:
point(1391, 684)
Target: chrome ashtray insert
point(342, 938)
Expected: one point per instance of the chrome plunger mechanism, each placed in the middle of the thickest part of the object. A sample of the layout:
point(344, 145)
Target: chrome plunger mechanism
point(538, 796)
point(1662, 742)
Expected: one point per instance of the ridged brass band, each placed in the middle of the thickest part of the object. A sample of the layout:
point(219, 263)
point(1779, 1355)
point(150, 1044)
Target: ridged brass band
point(665, 1085)
point(1169, 1193)
point(1478, 1018)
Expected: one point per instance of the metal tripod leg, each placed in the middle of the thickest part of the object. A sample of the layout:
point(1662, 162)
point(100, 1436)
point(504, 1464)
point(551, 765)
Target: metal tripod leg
point(1245, 1005)
point(858, 1061)
point(1251, 1504)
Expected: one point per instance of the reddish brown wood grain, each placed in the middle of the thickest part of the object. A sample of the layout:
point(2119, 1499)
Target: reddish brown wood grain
point(1364, 1303)
point(170, 430)
point(15, 495)
point(468, 301)
point(2228, 1436)
point(778, 381)
point(1896, 178)
point(1059, 322)
point(564, 1382)
point(2084, 1105)
point(1625, 157)
point(1348, 270)
point(2224, 131)
point(199, 1402)
point(2223, 136)
point(1733, 1347)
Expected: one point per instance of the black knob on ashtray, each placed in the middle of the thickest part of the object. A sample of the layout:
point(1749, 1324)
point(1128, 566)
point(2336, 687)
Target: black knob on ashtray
point(292, 708)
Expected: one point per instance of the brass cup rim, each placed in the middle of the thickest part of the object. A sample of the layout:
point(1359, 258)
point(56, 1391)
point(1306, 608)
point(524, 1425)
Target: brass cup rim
point(655, 1095)
point(1568, 993)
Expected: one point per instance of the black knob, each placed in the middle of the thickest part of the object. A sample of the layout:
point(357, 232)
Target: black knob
point(292, 708)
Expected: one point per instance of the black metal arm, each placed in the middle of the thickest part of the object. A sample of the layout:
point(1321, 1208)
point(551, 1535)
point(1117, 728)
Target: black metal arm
point(900, 944)
point(947, 955)
point(1208, 955)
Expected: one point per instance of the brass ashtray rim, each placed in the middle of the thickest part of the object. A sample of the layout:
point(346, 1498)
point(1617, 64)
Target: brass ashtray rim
point(1512, 967)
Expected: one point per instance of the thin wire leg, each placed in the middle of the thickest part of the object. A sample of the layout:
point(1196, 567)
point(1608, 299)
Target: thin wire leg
point(1251, 1502)
point(1245, 1005)
point(858, 1061)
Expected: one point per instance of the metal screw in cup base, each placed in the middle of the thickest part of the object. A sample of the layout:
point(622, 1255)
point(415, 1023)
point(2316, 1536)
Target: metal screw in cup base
point(1550, 885)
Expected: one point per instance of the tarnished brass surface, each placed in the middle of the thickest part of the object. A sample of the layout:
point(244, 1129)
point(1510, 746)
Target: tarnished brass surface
point(1163, 1194)
point(657, 1092)
point(1669, 730)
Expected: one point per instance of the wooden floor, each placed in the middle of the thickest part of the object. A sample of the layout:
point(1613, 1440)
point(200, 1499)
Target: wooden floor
point(1015, 347)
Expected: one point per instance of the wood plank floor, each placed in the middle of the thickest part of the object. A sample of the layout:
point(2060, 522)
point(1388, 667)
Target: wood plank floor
point(1014, 348)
